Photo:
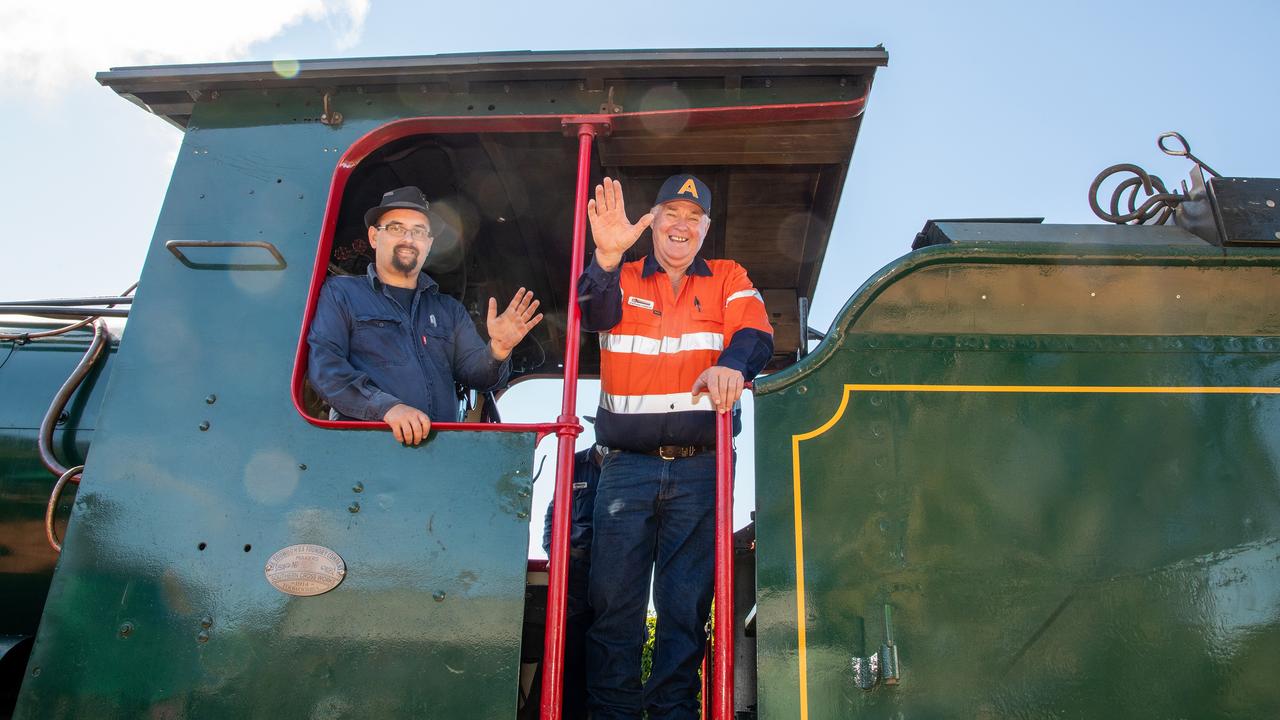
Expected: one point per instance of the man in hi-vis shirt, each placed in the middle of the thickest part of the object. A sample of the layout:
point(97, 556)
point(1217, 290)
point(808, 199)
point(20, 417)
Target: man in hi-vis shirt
point(679, 337)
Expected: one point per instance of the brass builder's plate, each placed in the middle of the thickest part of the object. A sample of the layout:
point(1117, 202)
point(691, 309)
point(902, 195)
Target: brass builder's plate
point(305, 570)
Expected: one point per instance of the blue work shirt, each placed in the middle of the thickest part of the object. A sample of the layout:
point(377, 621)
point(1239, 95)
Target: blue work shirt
point(368, 354)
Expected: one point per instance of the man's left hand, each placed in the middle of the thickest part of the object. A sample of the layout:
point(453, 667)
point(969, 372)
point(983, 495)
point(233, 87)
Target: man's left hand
point(508, 329)
point(723, 384)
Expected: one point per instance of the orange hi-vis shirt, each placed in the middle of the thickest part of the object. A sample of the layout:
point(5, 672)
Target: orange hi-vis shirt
point(655, 342)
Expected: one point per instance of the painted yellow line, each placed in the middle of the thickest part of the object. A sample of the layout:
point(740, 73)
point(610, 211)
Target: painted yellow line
point(1074, 389)
point(800, 604)
point(802, 654)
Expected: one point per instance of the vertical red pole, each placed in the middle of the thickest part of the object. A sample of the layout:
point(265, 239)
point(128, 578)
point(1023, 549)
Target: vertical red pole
point(722, 665)
point(553, 644)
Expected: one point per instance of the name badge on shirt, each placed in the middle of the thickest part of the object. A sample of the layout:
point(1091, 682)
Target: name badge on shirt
point(640, 303)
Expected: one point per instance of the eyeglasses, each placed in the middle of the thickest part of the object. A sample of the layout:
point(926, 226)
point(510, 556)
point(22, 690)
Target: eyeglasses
point(398, 230)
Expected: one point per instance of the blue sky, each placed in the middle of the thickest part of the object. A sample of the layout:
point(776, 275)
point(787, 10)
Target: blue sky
point(987, 109)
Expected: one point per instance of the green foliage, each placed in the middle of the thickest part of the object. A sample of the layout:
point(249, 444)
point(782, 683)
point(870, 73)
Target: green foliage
point(646, 658)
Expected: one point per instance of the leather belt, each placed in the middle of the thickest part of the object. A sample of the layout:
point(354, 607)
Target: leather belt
point(672, 452)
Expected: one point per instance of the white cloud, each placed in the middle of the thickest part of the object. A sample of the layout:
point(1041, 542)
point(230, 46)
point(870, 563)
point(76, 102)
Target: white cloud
point(46, 47)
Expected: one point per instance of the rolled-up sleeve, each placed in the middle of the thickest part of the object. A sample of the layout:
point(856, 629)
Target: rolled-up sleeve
point(600, 297)
point(346, 389)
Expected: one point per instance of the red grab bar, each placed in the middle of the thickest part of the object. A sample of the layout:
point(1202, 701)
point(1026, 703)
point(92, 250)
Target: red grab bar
point(553, 642)
point(722, 687)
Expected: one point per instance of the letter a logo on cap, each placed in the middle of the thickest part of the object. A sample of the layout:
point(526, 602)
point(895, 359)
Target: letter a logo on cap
point(685, 187)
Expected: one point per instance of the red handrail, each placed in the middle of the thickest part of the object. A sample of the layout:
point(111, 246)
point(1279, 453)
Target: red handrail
point(722, 692)
point(553, 642)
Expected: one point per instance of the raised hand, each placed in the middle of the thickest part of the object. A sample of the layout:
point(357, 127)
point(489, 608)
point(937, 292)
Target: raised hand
point(508, 329)
point(723, 384)
point(612, 231)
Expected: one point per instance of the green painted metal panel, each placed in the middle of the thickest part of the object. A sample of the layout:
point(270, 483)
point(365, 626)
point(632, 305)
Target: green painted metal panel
point(173, 523)
point(30, 375)
point(1045, 553)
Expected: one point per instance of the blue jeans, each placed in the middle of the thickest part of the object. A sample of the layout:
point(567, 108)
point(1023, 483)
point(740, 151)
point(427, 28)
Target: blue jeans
point(651, 516)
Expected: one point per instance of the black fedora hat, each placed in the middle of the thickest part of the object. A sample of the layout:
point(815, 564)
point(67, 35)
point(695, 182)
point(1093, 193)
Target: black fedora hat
point(407, 198)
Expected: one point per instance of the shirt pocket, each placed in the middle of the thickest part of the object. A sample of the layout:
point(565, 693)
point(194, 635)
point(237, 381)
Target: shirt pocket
point(379, 340)
point(707, 316)
point(639, 321)
point(438, 340)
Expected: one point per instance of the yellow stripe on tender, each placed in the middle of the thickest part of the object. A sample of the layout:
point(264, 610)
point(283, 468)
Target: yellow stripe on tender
point(802, 654)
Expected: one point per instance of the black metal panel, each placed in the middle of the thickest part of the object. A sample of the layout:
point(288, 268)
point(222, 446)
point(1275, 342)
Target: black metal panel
point(1247, 211)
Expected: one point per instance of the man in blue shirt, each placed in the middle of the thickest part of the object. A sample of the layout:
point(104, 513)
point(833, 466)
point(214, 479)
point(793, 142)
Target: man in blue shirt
point(389, 346)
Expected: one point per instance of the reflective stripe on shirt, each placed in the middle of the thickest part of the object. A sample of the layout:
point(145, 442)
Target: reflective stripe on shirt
point(743, 294)
point(641, 345)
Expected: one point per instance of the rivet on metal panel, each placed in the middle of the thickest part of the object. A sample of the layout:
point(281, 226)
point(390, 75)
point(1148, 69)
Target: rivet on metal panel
point(1271, 203)
point(204, 426)
point(35, 671)
point(358, 487)
point(875, 371)
point(126, 629)
point(438, 595)
point(211, 398)
point(522, 515)
point(353, 508)
point(202, 636)
point(802, 390)
point(302, 466)
point(206, 622)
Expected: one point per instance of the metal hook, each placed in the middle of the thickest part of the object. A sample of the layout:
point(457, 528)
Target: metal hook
point(330, 117)
point(1184, 151)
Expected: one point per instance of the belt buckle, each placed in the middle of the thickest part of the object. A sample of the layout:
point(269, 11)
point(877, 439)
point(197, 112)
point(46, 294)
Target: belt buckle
point(664, 449)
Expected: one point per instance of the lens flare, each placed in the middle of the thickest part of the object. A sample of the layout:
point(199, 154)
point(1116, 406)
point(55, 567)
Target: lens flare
point(287, 69)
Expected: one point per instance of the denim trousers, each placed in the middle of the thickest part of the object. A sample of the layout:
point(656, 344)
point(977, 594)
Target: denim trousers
point(654, 518)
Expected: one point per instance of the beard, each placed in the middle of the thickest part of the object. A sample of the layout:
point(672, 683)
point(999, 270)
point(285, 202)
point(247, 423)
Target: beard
point(406, 263)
